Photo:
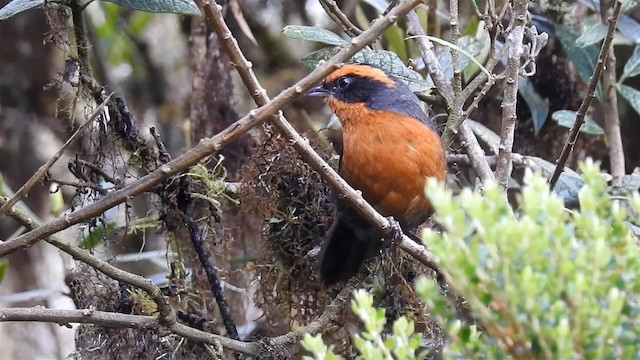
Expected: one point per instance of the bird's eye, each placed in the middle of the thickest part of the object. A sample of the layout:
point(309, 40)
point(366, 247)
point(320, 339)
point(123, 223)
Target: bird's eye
point(343, 82)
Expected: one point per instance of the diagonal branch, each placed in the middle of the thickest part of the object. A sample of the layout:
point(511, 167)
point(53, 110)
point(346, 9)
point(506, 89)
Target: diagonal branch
point(140, 322)
point(301, 145)
point(454, 100)
point(586, 102)
point(166, 313)
point(211, 145)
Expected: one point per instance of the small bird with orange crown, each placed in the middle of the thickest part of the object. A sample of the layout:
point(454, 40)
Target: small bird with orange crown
point(390, 149)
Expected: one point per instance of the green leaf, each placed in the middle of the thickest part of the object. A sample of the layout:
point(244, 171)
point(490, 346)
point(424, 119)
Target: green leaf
point(485, 135)
point(96, 235)
point(566, 118)
point(629, 28)
point(18, 6)
point(538, 106)
point(592, 34)
point(632, 67)
point(583, 58)
point(1, 185)
point(386, 60)
point(631, 95)
point(313, 33)
point(313, 60)
point(391, 63)
point(569, 183)
point(4, 264)
point(395, 39)
point(185, 7)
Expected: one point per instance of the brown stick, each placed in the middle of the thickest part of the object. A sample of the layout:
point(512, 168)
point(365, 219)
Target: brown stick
point(301, 145)
point(586, 102)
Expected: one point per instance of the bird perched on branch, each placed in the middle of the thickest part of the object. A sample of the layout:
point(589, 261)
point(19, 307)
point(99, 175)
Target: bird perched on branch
point(390, 149)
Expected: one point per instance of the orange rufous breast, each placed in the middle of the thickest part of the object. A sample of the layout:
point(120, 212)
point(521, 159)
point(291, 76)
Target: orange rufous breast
point(389, 156)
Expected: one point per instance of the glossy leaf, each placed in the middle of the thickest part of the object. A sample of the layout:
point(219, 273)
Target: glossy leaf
point(386, 60)
point(538, 106)
point(592, 35)
point(313, 33)
point(583, 58)
point(485, 135)
point(391, 63)
point(631, 95)
point(632, 67)
point(567, 118)
point(629, 28)
point(313, 60)
point(569, 183)
point(18, 6)
point(184, 7)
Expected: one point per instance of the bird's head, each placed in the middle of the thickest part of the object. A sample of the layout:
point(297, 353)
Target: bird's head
point(354, 88)
point(354, 83)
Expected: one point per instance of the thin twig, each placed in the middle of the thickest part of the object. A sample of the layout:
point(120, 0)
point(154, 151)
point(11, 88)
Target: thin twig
point(586, 102)
point(44, 168)
point(414, 29)
point(468, 139)
point(116, 320)
point(210, 145)
point(301, 145)
point(167, 315)
point(512, 72)
point(340, 18)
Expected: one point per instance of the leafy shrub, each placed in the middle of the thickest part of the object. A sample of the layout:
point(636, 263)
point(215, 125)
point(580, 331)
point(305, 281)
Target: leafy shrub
point(544, 282)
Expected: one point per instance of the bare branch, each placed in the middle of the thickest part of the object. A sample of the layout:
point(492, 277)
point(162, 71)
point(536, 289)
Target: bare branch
point(340, 18)
point(509, 104)
point(610, 110)
point(211, 145)
point(116, 320)
point(468, 139)
point(166, 313)
point(24, 189)
point(301, 145)
point(586, 102)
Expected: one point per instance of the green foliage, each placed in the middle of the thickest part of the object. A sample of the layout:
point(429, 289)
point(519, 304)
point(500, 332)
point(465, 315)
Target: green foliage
point(374, 342)
point(184, 7)
point(538, 106)
point(631, 95)
point(545, 282)
point(4, 264)
point(584, 58)
point(566, 118)
point(95, 236)
point(387, 60)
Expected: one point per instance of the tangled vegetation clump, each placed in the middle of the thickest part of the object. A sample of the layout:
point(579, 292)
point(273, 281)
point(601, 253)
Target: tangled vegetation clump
point(296, 208)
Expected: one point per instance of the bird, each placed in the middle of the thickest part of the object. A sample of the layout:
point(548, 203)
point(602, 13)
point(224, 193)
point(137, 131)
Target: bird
point(389, 150)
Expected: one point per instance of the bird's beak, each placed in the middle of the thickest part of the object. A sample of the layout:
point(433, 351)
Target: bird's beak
point(319, 91)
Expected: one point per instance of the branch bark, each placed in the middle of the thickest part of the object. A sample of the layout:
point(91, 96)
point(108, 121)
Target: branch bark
point(586, 102)
point(211, 145)
point(301, 145)
point(509, 104)
point(610, 110)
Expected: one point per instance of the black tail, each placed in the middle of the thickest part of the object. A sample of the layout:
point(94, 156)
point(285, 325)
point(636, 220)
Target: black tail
point(349, 243)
